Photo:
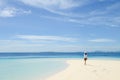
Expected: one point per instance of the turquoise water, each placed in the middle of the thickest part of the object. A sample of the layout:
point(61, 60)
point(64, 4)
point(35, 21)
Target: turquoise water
point(29, 69)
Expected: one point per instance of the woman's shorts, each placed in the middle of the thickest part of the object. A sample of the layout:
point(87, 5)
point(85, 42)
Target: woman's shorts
point(85, 58)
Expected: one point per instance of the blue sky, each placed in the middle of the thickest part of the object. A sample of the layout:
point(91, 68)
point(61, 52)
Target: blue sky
point(59, 25)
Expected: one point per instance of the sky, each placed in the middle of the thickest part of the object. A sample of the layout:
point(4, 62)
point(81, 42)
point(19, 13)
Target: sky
point(59, 25)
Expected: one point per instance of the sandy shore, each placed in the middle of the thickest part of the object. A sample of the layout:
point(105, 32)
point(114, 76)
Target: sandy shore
point(94, 70)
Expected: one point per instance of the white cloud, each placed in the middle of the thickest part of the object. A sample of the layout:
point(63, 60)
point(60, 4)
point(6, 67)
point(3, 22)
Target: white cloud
point(60, 7)
point(106, 9)
point(12, 11)
point(102, 40)
point(103, 21)
point(19, 45)
point(24, 45)
point(59, 4)
point(46, 38)
point(8, 12)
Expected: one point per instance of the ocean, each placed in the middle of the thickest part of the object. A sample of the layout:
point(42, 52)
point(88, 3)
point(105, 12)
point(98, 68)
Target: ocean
point(38, 66)
point(91, 55)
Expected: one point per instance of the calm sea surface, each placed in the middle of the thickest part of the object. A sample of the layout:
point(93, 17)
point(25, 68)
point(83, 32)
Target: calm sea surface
point(115, 55)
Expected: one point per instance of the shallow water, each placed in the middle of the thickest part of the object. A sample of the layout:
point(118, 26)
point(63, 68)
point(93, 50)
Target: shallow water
point(29, 69)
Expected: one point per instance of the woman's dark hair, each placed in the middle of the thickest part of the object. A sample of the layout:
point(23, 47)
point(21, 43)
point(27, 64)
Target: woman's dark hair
point(85, 53)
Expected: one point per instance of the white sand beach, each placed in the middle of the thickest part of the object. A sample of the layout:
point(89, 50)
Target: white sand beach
point(94, 70)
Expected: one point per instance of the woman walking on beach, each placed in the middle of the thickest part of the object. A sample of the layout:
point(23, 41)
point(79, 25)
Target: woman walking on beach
point(85, 57)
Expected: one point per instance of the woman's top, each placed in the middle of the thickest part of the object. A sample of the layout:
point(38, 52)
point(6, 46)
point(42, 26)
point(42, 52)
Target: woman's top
point(85, 55)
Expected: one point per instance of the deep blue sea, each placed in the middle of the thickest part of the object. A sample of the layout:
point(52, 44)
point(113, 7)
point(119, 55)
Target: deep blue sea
point(91, 55)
